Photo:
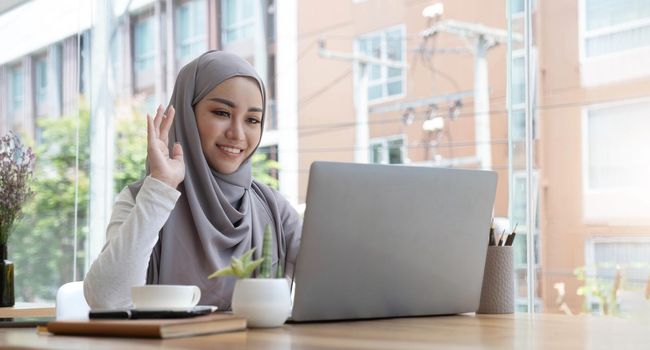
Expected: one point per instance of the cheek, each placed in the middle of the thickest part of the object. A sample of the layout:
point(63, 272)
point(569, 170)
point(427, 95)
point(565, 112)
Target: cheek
point(253, 137)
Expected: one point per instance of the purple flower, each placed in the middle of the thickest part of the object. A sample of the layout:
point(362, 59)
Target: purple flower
point(16, 171)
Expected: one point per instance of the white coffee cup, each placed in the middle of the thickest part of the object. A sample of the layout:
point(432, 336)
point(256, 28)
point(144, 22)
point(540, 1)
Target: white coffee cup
point(164, 296)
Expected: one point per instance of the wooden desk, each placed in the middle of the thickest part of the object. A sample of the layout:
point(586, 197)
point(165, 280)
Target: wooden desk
point(519, 331)
point(28, 310)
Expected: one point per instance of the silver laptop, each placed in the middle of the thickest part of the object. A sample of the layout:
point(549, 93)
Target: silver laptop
point(392, 241)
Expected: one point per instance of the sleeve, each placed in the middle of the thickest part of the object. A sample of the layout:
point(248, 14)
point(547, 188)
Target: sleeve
point(292, 227)
point(131, 235)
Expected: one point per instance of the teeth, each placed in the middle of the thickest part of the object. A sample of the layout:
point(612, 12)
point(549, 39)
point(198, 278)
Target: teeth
point(231, 150)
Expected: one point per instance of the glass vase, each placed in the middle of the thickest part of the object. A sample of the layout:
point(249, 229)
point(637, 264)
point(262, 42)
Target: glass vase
point(6, 279)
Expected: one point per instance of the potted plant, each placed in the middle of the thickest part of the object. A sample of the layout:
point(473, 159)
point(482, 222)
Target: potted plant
point(264, 301)
point(16, 169)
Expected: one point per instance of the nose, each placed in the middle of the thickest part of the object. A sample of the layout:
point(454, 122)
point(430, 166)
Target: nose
point(235, 130)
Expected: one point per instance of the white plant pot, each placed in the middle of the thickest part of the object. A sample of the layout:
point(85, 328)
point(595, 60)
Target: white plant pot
point(264, 302)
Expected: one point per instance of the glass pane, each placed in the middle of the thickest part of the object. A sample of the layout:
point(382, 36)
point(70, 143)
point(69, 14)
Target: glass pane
point(619, 41)
point(375, 92)
point(377, 153)
point(16, 88)
point(518, 93)
point(605, 13)
point(395, 154)
point(612, 133)
point(394, 88)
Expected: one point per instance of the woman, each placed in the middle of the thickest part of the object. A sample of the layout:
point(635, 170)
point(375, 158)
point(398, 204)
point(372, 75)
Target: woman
point(199, 205)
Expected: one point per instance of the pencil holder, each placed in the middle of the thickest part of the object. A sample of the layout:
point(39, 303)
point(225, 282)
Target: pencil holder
point(497, 293)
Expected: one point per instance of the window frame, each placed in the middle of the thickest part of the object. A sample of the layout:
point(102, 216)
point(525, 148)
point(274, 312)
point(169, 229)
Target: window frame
point(586, 183)
point(13, 111)
point(192, 40)
point(585, 34)
point(384, 80)
point(149, 17)
point(384, 143)
point(238, 24)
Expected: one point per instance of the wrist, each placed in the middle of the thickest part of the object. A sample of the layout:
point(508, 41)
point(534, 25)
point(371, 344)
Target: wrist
point(166, 180)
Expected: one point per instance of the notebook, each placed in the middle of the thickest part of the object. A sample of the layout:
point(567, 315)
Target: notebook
point(392, 241)
point(150, 328)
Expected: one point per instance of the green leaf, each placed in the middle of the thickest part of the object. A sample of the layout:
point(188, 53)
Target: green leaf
point(237, 267)
point(252, 266)
point(246, 258)
point(265, 269)
point(226, 271)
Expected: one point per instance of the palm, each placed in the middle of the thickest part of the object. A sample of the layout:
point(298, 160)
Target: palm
point(166, 168)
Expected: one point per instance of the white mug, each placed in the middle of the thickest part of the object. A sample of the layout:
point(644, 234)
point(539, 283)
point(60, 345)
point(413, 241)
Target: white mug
point(164, 296)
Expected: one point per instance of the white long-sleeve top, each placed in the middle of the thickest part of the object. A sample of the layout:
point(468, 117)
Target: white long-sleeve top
point(131, 235)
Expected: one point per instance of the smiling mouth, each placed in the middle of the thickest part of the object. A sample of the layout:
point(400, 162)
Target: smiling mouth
point(231, 150)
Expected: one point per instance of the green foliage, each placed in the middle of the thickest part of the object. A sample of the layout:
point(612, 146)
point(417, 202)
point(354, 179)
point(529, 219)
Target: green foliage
point(603, 289)
point(262, 168)
point(44, 242)
point(239, 267)
point(243, 267)
point(131, 151)
point(267, 246)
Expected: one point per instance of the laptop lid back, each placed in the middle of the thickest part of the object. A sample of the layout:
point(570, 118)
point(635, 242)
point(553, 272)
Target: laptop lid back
point(391, 241)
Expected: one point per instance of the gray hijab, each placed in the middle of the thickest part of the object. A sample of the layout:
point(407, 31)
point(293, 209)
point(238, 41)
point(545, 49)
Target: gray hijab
point(217, 215)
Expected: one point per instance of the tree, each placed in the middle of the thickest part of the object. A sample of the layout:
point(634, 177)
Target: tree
point(43, 244)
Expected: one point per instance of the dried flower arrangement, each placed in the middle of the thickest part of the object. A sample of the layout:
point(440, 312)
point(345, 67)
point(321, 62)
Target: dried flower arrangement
point(16, 171)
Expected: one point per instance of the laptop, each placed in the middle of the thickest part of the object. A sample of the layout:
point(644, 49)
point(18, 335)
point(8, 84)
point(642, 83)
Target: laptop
point(392, 241)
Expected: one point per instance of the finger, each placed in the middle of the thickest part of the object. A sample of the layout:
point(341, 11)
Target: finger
point(158, 119)
point(167, 124)
point(151, 132)
point(177, 152)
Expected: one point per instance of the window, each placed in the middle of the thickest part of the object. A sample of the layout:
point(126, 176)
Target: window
point(518, 96)
point(16, 94)
point(143, 44)
point(387, 150)
point(517, 7)
point(608, 259)
point(40, 68)
point(616, 142)
point(612, 26)
point(386, 45)
point(191, 29)
point(238, 20)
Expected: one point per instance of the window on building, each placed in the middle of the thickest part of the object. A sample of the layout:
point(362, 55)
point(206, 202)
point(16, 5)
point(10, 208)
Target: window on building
point(612, 132)
point(388, 44)
point(40, 80)
point(191, 29)
point(388, 150)
point(517, 7)
point(16, 94)
point(608, 259)
point(518, 96)
point(143, 44)
point(615, 25)
point(238, 20)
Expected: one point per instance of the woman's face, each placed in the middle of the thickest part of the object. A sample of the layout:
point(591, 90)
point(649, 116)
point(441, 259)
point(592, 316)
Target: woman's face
point(229, 120)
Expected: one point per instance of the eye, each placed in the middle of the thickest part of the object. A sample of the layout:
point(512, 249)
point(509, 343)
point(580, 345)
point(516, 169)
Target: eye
point(225, 114)
point(253, 121)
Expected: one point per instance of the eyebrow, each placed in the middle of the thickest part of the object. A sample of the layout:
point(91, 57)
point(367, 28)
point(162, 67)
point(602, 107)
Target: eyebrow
point(232, 104)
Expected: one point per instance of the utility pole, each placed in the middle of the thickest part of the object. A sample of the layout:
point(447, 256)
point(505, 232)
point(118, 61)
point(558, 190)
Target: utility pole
point(480, 39)
point(360, 63)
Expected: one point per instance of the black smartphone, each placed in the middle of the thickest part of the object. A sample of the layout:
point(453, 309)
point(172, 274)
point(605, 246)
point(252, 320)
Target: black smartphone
point(135, 314)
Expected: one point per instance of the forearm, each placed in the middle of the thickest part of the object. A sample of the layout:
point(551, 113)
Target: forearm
point(131, 235)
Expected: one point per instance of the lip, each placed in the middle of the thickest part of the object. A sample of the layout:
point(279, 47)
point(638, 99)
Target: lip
point(229, 154)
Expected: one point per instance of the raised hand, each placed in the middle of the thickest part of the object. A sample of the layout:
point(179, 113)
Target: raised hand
point(166, 168)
